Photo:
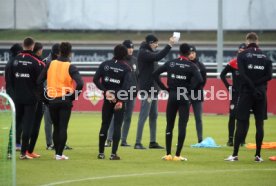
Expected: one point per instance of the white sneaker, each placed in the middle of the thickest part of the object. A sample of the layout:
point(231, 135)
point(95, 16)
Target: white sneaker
point(232, 158)
point(63, 157)
point(258, 159)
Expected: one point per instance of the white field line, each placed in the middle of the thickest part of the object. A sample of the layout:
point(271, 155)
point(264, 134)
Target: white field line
point(156, 173)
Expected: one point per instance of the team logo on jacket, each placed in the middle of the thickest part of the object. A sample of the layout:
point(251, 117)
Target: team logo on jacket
point(173, 76)
point(15, 63)
point(249, 55)
point(250, 66)
point(106, 67)
point(134, 67)
point(172, 64)
point(106, 79)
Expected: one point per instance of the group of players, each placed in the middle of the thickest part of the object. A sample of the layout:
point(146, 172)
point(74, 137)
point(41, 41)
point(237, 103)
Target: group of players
point(26, 74)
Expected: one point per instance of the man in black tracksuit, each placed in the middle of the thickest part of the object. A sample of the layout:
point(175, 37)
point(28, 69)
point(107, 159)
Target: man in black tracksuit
point(113, 78)
point(197, 95)
point(14, 51)
point(232, 67)
point(129, 104)
point(148, 62)
point(180, 73)
point(255, 71)
point(25, 70)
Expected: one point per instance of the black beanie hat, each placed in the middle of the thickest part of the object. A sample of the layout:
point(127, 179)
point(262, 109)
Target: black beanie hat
point(15, 49)
point(151, 39)
point(120, 52)
point(242, 46)
point(128, 44)
point(192, 48)
point(185, 49)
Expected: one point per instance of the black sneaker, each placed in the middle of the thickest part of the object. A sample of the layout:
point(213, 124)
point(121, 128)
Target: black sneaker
point(230, 144)
point(66, 147)
point(243, 144)
point(139, 146)
point(155, 145)
point(258, 159)
point(114, 157)
point(124, 144)
point(101, 156)
point(108, 143)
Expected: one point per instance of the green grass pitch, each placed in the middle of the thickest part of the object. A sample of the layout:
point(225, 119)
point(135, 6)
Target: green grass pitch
point(145, 167)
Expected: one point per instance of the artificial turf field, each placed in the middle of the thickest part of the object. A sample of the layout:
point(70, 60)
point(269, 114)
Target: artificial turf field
point(145, 167)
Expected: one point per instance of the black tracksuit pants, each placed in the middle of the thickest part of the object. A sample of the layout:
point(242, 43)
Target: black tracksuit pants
point(36, 126)
point(241, 131)
point(182, 106)
point(60, 113)
point(107, 114)
point(25, 118)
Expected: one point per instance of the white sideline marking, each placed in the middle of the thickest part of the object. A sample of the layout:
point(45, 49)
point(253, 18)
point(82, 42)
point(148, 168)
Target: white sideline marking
point(154, 173)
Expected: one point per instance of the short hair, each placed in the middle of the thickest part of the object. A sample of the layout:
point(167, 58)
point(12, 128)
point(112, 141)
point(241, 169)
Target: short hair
point(120, 52)
point(28, 42)
point(252, 37)
point(38, 46)
point(185, 49)
point(15, 49)
point(65, 49)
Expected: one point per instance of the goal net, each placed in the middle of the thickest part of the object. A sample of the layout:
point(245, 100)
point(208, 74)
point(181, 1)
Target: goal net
point(7, 141)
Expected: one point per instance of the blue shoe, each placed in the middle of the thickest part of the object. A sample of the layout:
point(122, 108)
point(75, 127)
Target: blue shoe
point(18, 147)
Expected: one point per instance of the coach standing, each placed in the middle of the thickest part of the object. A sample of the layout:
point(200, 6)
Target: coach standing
point(61, 92)
point(148, 62)
point(255, 71)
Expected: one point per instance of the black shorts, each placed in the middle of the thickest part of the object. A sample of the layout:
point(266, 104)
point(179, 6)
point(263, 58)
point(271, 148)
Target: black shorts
point(246, 102)
point(233, 104)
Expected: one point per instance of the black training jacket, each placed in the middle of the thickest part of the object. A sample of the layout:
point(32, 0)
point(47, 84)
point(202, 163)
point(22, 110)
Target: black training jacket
point(24, 72)
point(132, 61)
point(148, 63)
point(255, 69)
point(231, 67)
point(198, 91)
point(113, 75)
point(180, 73)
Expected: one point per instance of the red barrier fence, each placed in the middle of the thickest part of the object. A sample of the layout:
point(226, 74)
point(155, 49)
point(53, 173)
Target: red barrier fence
point(89, 99)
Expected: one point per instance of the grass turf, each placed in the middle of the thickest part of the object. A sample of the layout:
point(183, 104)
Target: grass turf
point(145, 167)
